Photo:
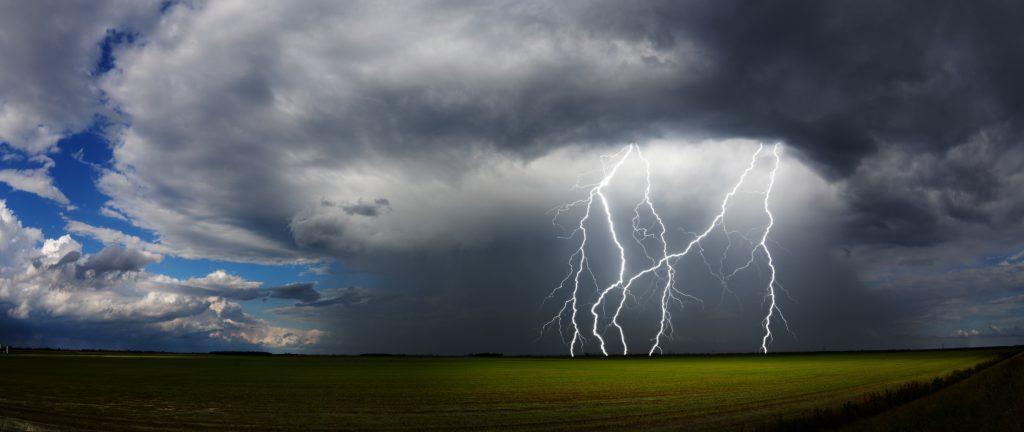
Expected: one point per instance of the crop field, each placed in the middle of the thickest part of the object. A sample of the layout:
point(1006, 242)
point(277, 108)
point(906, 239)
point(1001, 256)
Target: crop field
point(185, 392)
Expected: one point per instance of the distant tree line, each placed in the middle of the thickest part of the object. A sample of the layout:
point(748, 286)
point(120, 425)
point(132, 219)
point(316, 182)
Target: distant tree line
point(241, 353)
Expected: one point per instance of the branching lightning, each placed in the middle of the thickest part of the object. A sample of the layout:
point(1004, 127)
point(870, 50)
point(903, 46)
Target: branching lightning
point(580, 255)
point(773, 307)
point(661, 264)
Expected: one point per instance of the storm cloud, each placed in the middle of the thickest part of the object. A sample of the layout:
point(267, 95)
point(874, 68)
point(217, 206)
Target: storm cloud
point(437, 88)
point(424, 144)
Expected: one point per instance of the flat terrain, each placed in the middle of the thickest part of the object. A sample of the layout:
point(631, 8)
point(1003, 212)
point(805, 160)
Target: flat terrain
point(169, 392)
point(992, 400)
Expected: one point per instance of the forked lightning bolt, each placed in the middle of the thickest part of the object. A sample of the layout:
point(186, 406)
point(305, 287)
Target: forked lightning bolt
point(571, 306)
point(661, 264)
point(773, 307)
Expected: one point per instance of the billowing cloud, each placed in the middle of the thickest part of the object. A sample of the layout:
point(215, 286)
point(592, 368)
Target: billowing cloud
point(905, 197)
point(18, 242)
point(113, 259)
point(57, 284)
point(341, 83)
point(45, 97)
point(372, 99)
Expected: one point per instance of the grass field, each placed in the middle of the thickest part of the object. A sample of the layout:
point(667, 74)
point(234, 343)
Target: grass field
point(168, 392)
point(992, 400)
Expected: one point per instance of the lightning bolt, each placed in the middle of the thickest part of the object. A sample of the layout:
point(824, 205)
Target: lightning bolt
point(578, 261)
point(661, 265)
point(773, 307)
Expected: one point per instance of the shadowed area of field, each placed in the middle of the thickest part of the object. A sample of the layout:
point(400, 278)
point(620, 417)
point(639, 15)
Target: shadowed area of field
point(992, 400)
point(176, 392)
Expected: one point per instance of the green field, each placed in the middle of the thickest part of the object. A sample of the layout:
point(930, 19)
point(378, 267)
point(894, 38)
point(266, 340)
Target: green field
point(169, 392)
point(992, 400)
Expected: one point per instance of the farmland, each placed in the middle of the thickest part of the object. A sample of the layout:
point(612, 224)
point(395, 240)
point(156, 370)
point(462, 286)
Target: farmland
point(989, 401)
point(184, 392)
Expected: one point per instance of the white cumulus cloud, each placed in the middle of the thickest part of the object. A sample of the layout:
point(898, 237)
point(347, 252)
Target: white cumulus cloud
point(56, 283)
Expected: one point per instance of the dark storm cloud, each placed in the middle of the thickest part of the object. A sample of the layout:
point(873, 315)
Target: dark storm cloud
point(68, 258)
point(297, 291)
point(912, 110)
point(328, 304)
point(838, 79)
point(338, 296)
point(115, 260)
point(920, 198)
point(491, 298)
point(369, 209)
point(844, 81)
point(223, 285)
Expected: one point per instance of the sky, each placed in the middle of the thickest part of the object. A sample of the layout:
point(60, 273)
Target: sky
point(352, 177)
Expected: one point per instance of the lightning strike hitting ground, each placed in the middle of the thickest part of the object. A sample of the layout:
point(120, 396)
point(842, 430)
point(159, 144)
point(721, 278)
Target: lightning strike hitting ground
point(661, 264)
point(773, 307)
point(576, 270)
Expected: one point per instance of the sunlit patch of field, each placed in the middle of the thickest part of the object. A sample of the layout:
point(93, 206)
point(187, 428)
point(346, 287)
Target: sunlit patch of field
point(186, 392)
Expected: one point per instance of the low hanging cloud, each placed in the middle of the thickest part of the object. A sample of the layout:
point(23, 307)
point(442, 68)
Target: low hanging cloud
point(324, 305)
point(218, 283)
point(300, 291)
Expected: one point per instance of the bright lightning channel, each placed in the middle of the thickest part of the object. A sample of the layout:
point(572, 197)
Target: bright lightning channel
point(580, 255)
point(773, 307)
point(662, 264)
